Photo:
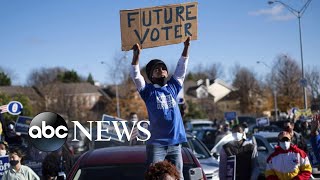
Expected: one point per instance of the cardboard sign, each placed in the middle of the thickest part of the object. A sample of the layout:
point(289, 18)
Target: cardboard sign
point(158, 26)
point(111, 130)
point(230, 116)
point(263, 121)
point(231, 167)
point(4, 164)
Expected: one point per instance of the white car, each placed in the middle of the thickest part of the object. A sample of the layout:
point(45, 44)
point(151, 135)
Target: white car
point(217, 148)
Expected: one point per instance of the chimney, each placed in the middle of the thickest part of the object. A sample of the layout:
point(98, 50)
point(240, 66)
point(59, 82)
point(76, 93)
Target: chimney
point(207, 83)
point(199, 82)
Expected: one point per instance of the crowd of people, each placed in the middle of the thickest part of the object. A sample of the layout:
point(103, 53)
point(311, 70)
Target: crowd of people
point(15, 147)
point(290, 159)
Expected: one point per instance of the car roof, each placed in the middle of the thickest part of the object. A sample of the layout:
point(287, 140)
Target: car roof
point(267, 134)
point(200, 121)
point(204, 128)
point(122, 155)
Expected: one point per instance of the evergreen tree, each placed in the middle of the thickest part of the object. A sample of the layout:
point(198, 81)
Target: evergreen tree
point(4, 79)
point(69, 77)
point(90, 79)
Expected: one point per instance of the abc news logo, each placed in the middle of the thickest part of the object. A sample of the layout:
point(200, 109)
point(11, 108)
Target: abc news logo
point(49, 131)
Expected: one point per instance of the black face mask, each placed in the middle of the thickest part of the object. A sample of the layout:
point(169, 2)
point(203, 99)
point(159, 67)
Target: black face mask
point(14, 162)
point(160, 81)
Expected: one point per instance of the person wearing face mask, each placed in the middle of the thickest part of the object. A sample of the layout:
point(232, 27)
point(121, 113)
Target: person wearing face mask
point(17, 171)
point(3, 148)
point(161, 99)
point(315, 136)
point(287, 161)
point(296, 137)
point(245, 153)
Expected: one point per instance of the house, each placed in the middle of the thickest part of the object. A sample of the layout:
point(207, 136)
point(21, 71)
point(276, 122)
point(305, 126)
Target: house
point(204, 89)
point(230, 103)
point(76, 100)
point(36, 100)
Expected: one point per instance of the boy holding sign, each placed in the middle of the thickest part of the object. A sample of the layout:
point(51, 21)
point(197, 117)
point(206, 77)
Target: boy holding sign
point(166, 125)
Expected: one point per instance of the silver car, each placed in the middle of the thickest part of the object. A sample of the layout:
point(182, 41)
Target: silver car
point(208, 163)
point(266, 141)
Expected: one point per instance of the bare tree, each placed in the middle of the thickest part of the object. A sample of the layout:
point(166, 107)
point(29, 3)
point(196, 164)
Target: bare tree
point(313, 78)
point(285, 77)
point(118, 71)
point(211, 72)
point(214, 71)
point(118, 68)
point(43, 76)
point(248, 89)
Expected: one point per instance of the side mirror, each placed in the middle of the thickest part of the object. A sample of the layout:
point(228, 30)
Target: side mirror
point(215, 155)
point(262, 148)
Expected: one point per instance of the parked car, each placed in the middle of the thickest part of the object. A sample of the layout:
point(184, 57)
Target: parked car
point(217, 148)
point(126, 162)
point(248, 119)
point(266, 141)
point(206, 135)
point(197, 123)
point(209, 164)
point(80, 146)
point(270, 128)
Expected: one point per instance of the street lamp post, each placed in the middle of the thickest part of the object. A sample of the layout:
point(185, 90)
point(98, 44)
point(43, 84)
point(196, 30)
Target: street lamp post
point(298, 14)
point(117, 93)
point(274, 93)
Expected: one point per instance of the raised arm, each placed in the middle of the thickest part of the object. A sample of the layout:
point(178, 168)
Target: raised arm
point(181, 68)
point(136, 54)
point(135, 69)
point(185, 51)
point(315, 137)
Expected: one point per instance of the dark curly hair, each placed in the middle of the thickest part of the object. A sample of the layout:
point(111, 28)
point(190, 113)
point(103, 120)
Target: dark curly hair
point(18, 151)
point(158, 171)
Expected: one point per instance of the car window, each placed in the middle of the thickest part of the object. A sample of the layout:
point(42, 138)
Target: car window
point(201, 125)
point(247, 119)
point(116, 172)
point(260, 143)
point(197, 148)
point(217, 148)
point(120, 172)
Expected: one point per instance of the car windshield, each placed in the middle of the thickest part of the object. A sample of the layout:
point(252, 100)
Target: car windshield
point(197, 147)
point(201, 125)
point(247, 119)
point(116, 172)
point(120, 172)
